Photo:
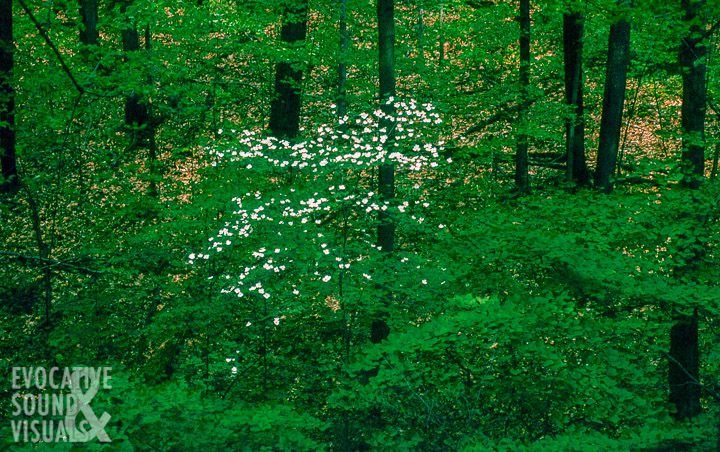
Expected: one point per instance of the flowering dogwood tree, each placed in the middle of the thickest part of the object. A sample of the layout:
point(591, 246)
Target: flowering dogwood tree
point(305, 228)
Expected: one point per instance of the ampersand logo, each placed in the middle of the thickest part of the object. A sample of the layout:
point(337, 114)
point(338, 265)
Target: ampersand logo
point(91, 427)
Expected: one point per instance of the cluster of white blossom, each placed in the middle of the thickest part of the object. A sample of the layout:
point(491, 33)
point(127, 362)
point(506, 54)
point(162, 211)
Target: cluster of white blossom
point(355, 144)
point(364, 141)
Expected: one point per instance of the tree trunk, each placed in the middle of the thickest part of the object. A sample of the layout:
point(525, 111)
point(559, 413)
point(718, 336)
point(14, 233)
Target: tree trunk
point(684, 363)
point(89, 15)
point(573, 28)
point(342, 64)
point(421, 36)
point(684, 366)
point(613, 102)
point(386, 172)
point(521, 153)
point(136, 112)
point(8, 162)
point(285, 107)
point(441, 47)
point(692, 62)
point(149, 134)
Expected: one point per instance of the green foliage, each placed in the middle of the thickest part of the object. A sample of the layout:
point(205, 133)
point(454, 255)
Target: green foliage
point(174, 416)
point(232, 279)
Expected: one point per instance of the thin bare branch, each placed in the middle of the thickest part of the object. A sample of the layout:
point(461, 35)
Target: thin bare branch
point(52, 263)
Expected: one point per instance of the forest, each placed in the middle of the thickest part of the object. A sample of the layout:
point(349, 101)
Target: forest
point(349, 225)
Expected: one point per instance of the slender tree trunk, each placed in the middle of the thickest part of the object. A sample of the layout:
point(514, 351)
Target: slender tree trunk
point(379, 328)
point(150, 128)
point(684, 365)
point(342, 64)
point(137, 117)
point(421, 35)
point(522, 179)
point(8, 162)
point(138, 109)
point(573, 28)
point(47, 271)
point(613, 102)
point(386, 172)
point(89, 15)
point(692, 61)
point(386, 58)
point(441, 47)
point(285, 107)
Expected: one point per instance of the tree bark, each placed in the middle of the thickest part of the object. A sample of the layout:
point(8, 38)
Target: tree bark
point(89, 15)
point(138, 119)
point(386, 172)
point(522, 179)
point(573, 30)
point(684, 363)
point(8, 162)
point(684, 366)
point(613, 102)
point(136, 112)
point(152, 123)
point(342, 64)
point(285, 107)
point(386, 58)
point(692, 62)
point(441, 47)
point(421, 35)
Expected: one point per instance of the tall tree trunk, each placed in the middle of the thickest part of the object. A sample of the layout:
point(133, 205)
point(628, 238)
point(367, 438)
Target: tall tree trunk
point(421, 35)
point(386, 171)
point(573, 29)
point(342, 64)
point(613, 102)
point(137, 117)
point(138, 109)
point(285, 107)
point(89, 15)
point(8, 162)
point(684, 366)
point(522, 179)
point(692, 62)
point(715, 161)
point(150, 128)
point(441, 47)
point(684, 363)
